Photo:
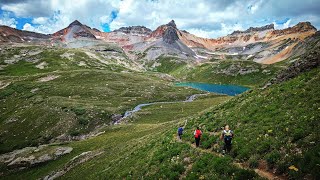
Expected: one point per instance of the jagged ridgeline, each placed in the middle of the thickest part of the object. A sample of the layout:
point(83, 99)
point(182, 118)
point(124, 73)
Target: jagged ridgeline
point(81, 103)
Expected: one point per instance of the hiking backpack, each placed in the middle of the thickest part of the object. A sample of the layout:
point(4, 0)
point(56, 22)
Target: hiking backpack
point(180, 131)
point(227, 136)
point(198, 134)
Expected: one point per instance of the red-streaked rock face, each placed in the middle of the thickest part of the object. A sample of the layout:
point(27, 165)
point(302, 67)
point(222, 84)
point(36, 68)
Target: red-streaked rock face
point(135, 30)
point(73, 31)
point(8, 35)
point(299, 28)
point(252, 35)
point(168, 39)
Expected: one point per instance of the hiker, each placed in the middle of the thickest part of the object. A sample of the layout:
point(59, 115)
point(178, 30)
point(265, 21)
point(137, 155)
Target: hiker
point(180, 132)
point(227, 136)
point(197, 135)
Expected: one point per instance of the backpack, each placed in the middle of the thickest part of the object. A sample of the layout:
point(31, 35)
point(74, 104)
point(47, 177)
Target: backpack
point(227, 136)
point(180, 130)
point(198, 134)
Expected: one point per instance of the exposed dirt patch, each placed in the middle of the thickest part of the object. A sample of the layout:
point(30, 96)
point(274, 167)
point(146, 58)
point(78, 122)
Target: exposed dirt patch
point(42, 65)
point(4, 84)
point(67, 55)
point(48, 78)
point(77, 160)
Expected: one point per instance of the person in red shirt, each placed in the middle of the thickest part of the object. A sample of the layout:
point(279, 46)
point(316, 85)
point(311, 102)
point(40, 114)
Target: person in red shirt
point(197, 135)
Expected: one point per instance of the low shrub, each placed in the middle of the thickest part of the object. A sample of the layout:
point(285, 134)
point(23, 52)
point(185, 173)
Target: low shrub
point(83, 121)
point(272, 158)
point(253, 161)
point(79, 111)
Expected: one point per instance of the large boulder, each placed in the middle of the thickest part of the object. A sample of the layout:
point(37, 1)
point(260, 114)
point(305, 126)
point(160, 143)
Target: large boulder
point(31, 156)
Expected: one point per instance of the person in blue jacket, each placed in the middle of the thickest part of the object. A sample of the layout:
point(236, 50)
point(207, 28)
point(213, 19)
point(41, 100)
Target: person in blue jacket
point(180, 132)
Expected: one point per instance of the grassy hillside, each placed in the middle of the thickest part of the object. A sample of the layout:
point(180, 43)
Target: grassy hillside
point(246, 73)
point(65, 98)
point(50, 92)
point(276, 126)
point(145, 148)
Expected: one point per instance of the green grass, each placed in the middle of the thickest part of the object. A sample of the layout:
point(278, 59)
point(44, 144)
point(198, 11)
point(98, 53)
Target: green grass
point(52, 109)
point(277, 125)
point(168, 64)
point(145, 149)
point(214, 72)
point(32, 118)
point(160, 113)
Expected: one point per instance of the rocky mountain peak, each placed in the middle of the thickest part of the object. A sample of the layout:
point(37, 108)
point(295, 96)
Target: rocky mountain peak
point(172, 24)
point(75, 23)
point(170, 35)
point(255, 29)
point(134, 30)
point(304, 26)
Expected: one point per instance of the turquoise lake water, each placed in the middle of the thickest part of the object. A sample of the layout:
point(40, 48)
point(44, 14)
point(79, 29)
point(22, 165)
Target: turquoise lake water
point(230, 90)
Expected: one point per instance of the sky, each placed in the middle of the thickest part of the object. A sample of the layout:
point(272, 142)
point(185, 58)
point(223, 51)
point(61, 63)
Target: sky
point(204, 18)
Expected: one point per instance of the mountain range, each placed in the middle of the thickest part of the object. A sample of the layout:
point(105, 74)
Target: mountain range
point(264, 45)
point(85, 104)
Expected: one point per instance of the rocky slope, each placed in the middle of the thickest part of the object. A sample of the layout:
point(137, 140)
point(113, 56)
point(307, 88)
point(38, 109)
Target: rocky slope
point(134, 30)
point(11, 35)
point(261, 44)
point(164, 40)
point(74, 30)
point(305, 63)
point(264, 45)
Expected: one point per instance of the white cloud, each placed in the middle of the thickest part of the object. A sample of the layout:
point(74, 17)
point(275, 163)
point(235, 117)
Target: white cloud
point(28, 27)
point(11, 22)
point(40, 20)
point(104, 19)
point(202, 17)
point(225, 29)
point(283, 25)
point(29, 8)
point(50, 16)
point(196, 16)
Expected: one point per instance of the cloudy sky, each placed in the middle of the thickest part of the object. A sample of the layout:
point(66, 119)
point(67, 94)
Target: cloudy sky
point(205, 18)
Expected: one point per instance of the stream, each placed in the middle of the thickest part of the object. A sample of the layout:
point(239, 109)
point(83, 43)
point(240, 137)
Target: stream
point(230, 90)
point(138, 107)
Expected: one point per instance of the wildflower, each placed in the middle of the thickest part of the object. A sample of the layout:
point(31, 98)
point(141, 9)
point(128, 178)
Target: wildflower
point(292, 167)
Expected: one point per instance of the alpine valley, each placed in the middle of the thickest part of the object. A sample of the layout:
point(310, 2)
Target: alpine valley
point(85, 104)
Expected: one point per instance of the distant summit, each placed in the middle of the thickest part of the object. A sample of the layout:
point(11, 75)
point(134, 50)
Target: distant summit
point(73, 31)
point(255, 29)
point(170, 34)
point(261, 44)
point(75, 23)
point(172, 24)
point(135, 30)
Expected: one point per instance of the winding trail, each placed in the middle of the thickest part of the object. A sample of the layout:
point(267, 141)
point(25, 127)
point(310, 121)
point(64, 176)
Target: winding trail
point(261, 172)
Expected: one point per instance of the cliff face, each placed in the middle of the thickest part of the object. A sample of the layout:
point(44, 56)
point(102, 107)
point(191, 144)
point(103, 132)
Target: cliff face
point(135, 30)
point(11, 35)
point(255, 29)
point(170, 35)
point(251, 35)
point(73, 31)
point(261, 44)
